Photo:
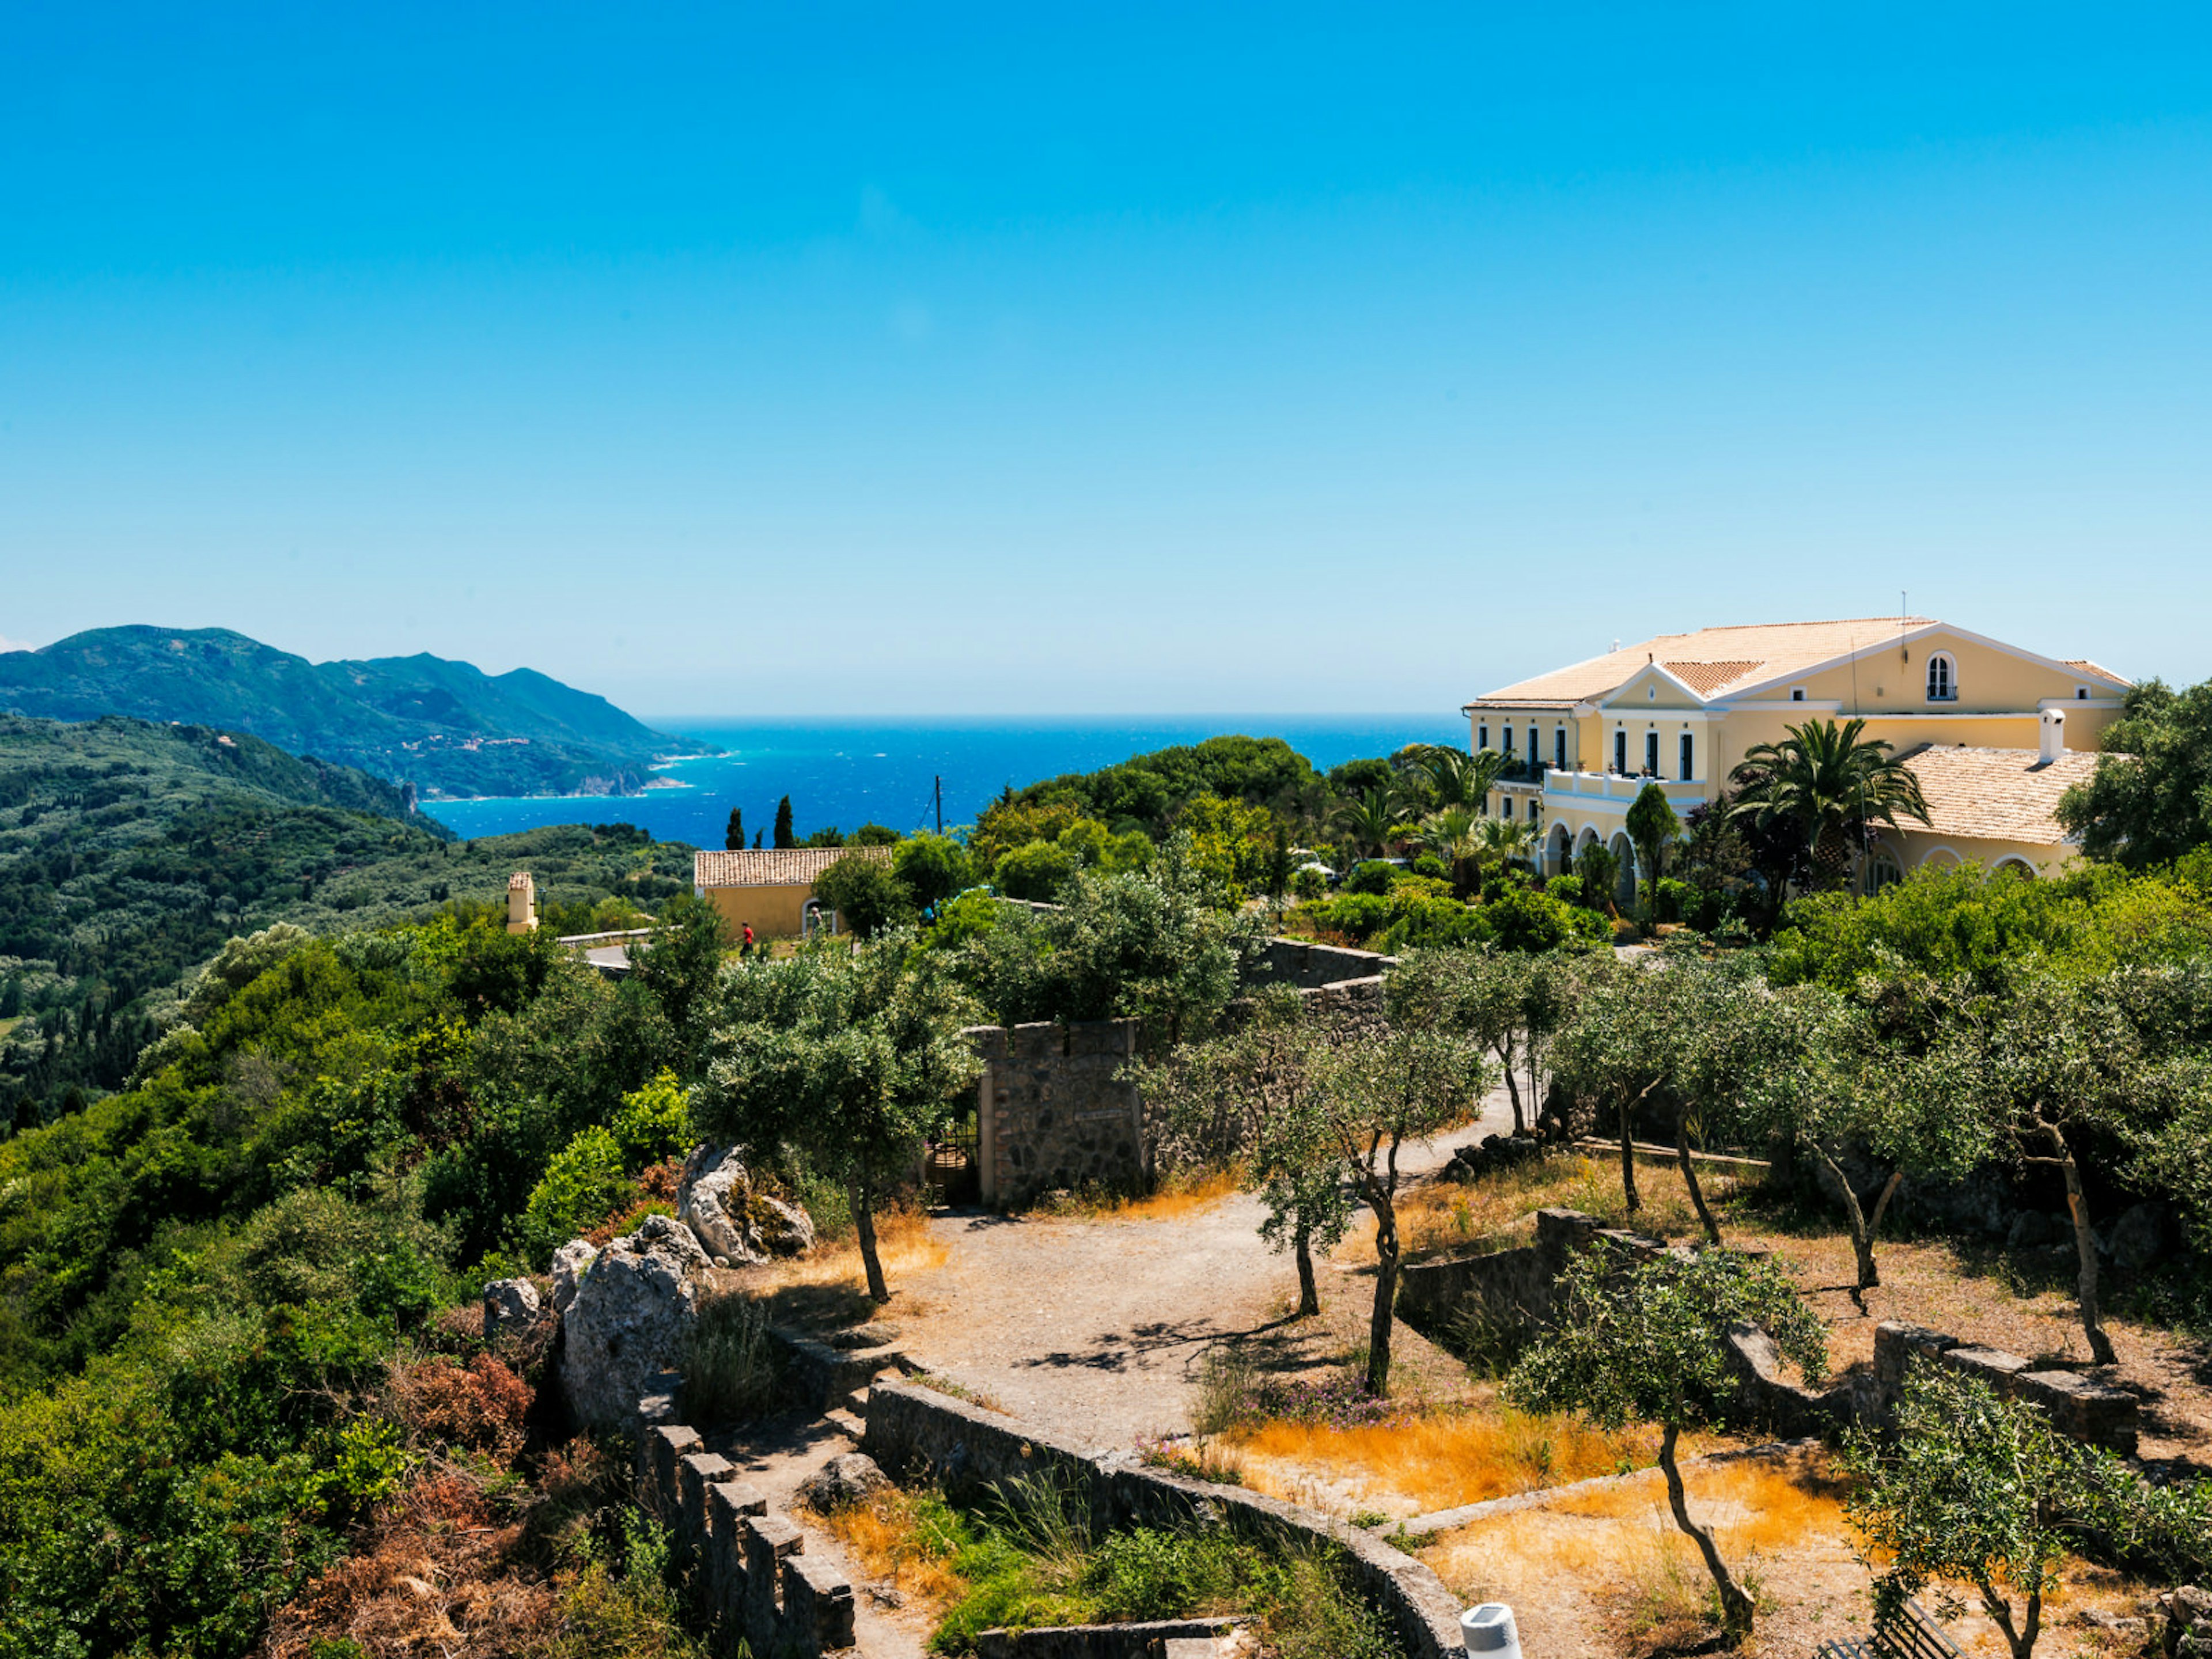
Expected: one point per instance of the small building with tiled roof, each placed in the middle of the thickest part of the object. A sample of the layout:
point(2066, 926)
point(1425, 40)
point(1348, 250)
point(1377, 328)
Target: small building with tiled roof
point(771, 889)
point(1682, 709)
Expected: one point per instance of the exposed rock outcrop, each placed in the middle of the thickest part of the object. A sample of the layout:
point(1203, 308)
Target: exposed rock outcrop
point(735, 1223)
point(570, 1263)
point(630, 1320)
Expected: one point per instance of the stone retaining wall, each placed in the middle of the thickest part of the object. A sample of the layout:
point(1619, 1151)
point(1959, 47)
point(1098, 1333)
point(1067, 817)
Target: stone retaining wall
point(749, 1568)
point(1515, 1287)
point(2089, 1412)
point(915, 1434)
point(1308, 966)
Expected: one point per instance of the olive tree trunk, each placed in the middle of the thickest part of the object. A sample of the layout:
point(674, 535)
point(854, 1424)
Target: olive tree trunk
point(1736, 1607)
point(1628, 1159)
point(1689, 1178)
point(859, 1195)
point(1309, 1291)
point(1863, 1227)
point(1386, 1292)
point(2085, 1241)
point(2021, 1639)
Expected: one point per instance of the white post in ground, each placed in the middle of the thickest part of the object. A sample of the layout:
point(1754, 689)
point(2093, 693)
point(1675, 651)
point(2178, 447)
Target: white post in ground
point(1489, 1629)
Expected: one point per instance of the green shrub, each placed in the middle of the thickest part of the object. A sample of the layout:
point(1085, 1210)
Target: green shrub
point(652, 1123)
point(867, 896)
point(1374, 875)
point(582, 1187)
point(1673, 899)
point(1429, 865)
point(1308, 883)
point(1567, 890)
point(1037, 870)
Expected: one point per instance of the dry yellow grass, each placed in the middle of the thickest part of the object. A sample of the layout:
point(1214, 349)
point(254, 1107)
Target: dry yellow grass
point(827, 1286)
point(1441, 1215)
point(891, 1545)
point(1178, 1196)
point(1607, 1572)
point(1438, 1462)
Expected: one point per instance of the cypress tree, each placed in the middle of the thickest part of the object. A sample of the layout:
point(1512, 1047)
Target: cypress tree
point(783, 837)
point(733, 839)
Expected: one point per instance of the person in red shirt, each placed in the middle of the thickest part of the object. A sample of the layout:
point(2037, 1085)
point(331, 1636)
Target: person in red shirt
point(749, 939)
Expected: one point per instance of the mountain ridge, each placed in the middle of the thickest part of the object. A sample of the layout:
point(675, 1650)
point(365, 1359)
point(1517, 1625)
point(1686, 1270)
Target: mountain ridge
point(440, 725)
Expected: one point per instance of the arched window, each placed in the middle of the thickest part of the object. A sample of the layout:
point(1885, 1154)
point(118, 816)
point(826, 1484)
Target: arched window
point(1883, 870)
point(1942, 679)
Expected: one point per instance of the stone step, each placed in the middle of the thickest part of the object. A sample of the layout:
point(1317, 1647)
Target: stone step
point(846, 1423)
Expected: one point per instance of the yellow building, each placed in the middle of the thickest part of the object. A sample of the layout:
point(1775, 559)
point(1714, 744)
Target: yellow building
point(772, 889)
point(1994, 732)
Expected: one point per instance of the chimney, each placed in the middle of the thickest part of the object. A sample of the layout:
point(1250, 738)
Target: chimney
point(2053, 736)
point(521, 903)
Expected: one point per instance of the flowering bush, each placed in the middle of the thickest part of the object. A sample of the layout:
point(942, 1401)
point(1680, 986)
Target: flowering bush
point(1340, 1401)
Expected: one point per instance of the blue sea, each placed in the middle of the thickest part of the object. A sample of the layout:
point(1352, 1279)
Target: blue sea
point(850, 772)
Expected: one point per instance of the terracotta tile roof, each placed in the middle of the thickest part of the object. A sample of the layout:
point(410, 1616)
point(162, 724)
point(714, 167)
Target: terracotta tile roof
point(1705, 677)
point(1994, 795)
point(1757, 652)
point(2097, 670)
point(787, 866)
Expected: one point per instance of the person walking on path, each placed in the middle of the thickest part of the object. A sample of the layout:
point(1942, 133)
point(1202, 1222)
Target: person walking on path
point(749, 939)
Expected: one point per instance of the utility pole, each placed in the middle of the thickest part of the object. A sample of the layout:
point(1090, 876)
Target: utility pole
point(940, 782)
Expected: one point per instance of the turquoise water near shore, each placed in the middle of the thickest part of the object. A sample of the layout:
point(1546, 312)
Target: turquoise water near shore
point(850, 772)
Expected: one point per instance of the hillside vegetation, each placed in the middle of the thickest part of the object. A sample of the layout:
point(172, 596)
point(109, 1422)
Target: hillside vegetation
point(131, 852)
point(446, 727)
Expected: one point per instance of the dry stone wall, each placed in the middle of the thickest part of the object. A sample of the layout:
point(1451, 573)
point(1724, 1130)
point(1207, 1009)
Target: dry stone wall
point(1515, 1288)
point(748, 1567)
point(914, 1433)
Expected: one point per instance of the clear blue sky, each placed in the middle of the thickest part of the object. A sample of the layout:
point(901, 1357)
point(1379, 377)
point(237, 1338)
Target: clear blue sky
point(828, 358)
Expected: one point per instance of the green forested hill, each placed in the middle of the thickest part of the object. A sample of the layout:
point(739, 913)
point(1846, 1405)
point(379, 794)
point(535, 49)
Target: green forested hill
point(446, 727)
point(129, 852)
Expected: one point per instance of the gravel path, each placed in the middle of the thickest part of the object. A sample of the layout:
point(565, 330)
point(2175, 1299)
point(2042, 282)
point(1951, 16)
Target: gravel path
point(1096, 1327)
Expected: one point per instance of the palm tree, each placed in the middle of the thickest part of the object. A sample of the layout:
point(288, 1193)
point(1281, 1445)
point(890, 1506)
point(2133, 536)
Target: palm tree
point(1369, 822)
point(1830, 784)
point(1460, 779)
point(1452, 836)
point(1500, 842)
point(1599, 870)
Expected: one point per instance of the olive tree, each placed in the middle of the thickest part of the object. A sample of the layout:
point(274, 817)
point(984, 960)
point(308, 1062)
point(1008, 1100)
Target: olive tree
point(1824, 1081)
point(1971, 1486)
point(1648, 1343)
point(1684, 1035)
point(854, 1055)
point(1249, 1098)
point(1378, 1090)
point(2031, 1066)
point(1508, 1002)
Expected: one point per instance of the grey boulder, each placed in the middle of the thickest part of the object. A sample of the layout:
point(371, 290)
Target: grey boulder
point(842, 1482)
point(630, 1321)
point(510, 1306)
